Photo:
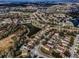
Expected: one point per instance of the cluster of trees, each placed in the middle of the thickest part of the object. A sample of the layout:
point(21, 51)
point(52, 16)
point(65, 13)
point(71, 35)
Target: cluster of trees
point(9, 31)
point(71, 41)
point(56, 55)
point(61, 34)
point(67, 53)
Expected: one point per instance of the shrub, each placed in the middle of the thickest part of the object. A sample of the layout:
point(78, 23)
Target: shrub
point(67, 53)
point(71, 41)
point(55, 54)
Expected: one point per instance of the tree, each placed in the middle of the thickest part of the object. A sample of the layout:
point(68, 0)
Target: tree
point(55, 54)
point(67, 53)
point(71, 41)
point(44, 42)
point(14, 38)
point(78, 51)
point(61, 33)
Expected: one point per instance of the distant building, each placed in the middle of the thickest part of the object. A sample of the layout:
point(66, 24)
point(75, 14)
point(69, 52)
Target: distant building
point(4, 10)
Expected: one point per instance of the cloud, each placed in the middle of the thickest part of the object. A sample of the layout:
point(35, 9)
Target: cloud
point(38, 0)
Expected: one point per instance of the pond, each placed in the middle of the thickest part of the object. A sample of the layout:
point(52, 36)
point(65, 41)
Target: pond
point(33, 29)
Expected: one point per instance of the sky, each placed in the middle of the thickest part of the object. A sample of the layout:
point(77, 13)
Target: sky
point(38, 0)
